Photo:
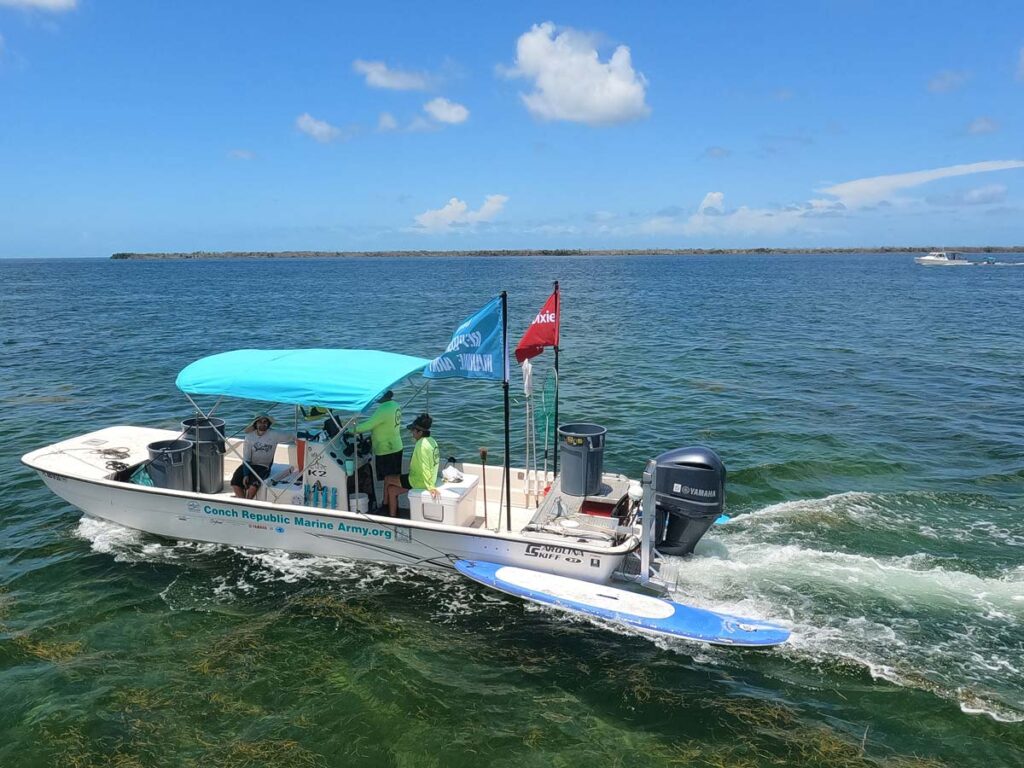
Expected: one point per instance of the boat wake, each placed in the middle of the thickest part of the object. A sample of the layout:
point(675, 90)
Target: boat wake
point(930, 516)
point(919, 620)
point(220, 576)
point(916, 621)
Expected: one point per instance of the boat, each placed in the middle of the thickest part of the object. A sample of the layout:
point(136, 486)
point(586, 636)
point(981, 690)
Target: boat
point(584, 525)
point(944, 259)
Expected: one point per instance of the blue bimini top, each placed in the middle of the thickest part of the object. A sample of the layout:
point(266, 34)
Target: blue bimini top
point(344, 379)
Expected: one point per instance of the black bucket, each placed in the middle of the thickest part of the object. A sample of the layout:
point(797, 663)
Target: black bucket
point(170, 464)
point(581, 447)
point(208, 461)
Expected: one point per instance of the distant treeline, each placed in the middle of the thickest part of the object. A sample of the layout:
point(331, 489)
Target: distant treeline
point(558, 252)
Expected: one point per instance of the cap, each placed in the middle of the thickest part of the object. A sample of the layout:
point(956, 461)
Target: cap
point(423, 422)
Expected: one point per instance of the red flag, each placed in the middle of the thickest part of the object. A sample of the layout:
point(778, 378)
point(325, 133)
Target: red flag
point(543, 331)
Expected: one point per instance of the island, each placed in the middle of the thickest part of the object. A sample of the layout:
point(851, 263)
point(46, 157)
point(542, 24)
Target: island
point(127, 256)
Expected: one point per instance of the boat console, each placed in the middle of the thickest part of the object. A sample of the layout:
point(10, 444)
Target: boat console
point(322, 474)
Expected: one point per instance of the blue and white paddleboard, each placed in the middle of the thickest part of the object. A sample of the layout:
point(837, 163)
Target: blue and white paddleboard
point(650, 614)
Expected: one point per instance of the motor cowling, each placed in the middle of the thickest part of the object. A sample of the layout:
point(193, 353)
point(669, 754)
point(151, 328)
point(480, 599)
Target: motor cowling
point(689, 495)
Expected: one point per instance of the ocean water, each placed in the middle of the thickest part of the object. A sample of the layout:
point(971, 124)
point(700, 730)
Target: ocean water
point(869, 413)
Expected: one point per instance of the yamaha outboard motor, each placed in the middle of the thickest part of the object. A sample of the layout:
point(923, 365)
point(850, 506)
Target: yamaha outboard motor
point(689, 495)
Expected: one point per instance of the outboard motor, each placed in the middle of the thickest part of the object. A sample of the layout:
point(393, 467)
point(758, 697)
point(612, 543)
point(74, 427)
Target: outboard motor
point(689, 495)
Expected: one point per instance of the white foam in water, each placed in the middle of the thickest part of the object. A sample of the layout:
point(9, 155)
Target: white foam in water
point(902, 619)
point(453, 597)
point(907, 620)
point(107, 537)
point(130, 545)
point(901, 580)
point(854, 499)
point(277, 565)
point(289, 567)
point(899, 513)
point(226, 588)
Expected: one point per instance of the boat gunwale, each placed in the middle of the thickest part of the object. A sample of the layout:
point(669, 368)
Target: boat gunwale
point(629, 545)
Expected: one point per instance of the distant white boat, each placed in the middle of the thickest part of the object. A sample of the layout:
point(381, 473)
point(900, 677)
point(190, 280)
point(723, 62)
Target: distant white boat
point(944, 259)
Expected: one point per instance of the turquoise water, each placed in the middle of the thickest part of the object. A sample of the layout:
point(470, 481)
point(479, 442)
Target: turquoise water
point(868, 410)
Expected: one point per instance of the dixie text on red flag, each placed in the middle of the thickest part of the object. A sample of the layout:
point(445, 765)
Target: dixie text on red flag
point(543, 331)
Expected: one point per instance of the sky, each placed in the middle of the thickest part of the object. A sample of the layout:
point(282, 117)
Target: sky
point(266, 126)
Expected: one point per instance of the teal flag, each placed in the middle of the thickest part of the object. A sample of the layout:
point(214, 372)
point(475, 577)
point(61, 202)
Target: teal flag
point(477, 349)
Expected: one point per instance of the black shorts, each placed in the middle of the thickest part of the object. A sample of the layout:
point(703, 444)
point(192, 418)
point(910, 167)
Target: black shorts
point(389, 464)
point(405, 482)
point(243, 473)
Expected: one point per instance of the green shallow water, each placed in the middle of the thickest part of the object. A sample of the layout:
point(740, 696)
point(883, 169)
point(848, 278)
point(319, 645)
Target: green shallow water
point(868, 411)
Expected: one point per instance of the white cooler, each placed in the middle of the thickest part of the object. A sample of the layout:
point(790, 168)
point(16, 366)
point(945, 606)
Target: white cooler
point(457, 505)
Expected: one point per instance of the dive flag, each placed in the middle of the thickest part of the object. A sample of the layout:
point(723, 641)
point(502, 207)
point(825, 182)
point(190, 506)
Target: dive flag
point(543, 331)
point(477, 349)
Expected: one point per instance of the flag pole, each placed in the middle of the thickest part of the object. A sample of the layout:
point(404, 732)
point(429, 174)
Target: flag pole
point(508, 461)
point(558, 338)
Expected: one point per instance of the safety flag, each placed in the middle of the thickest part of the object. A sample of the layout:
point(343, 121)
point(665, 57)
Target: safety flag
point(477, 349)
point(543, 331)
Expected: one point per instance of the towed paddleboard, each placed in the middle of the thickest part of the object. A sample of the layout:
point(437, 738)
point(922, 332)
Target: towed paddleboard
point(644, 612)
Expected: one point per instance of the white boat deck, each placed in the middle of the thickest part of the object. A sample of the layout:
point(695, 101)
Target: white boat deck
point(110, 454)
point(93, 456)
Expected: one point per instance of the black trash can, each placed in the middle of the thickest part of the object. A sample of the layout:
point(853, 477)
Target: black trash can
point(170, 464)
point(582, 458)
point(208, 458)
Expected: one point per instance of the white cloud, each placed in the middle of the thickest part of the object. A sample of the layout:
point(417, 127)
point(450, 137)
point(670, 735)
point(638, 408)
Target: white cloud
point(982, 125)
point(572, 83)
point(445, 111)
point(320, 130)
point(717, 152)
point(380, 75)
point(948, 80)
point(554, 229)
point(862, 192)
point(387, 122)
point(713, 203)
point(993, 193)
point(456, 212)
point(42, 5)
point(420, 123)
point(241, 154)
point(711, 218)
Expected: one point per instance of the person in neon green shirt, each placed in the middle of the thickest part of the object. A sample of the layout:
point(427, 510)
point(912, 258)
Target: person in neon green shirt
point(423, 466)
point(385, 428)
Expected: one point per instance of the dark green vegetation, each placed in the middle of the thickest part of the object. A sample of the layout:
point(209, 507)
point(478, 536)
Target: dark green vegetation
point(552, 252)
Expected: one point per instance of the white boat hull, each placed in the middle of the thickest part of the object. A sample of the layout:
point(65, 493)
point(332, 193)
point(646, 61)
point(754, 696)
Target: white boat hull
point(355, 536)
point(943, 261)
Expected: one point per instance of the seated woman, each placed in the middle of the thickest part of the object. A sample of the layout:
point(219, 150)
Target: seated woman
point(423, 466)
point(258, 455)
